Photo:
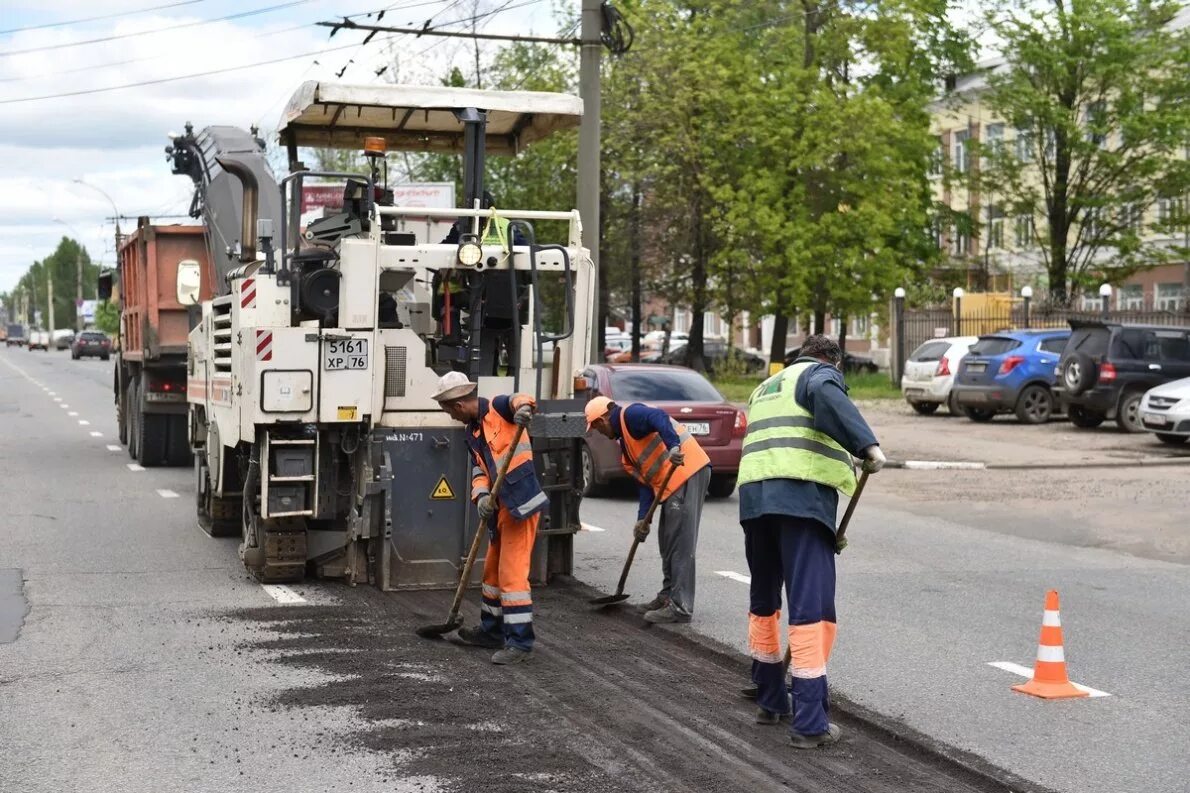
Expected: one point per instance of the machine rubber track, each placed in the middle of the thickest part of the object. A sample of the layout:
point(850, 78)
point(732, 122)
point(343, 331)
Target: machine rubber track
point(284, 558)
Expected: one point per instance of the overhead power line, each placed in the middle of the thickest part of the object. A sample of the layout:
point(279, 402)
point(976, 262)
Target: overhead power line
point(196, 23)
point(347, 24)
point(116, 15)
point(161, 80)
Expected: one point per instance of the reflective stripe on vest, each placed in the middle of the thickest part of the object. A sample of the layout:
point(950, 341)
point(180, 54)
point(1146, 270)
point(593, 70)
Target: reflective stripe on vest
point(781, 442)
point(645, 459)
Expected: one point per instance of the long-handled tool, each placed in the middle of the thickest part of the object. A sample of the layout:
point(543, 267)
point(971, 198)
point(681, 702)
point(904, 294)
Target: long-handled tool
point(453, 620)
point(620, 597)
point(840, 539)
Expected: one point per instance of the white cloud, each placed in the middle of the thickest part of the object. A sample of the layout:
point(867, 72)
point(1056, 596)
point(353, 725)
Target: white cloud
point(115, 139)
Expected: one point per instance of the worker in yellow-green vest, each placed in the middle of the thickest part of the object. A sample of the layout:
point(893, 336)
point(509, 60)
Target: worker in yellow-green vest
point(803, 432)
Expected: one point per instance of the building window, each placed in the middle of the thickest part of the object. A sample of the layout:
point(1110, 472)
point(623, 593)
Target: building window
point(994, 136)
point(1090, 303)
point(859, 326)
point(995, 228)
point(1171, 212)
point(836, 327)
point(1023, 231)
point(1096, 117)
point(681, 321)
point(936, 231)
point(962, 243)
point(1170, 297)
point(937, 158)
point(961, 163)
point(1024, 144)
point(1130, 297)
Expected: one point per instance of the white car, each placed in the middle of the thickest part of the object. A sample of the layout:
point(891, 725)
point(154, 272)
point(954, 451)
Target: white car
point(1165, 411)
point(39, 340)
point(929, 373)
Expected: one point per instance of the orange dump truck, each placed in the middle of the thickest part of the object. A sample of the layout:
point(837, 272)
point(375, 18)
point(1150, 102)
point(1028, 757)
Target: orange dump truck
point(163, 276)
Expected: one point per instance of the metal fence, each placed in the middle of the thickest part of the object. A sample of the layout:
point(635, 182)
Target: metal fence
point(912, 327)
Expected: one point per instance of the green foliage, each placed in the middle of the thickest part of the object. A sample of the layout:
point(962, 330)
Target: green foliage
point(62, 267)
point(107, 317)
point(1099, 89)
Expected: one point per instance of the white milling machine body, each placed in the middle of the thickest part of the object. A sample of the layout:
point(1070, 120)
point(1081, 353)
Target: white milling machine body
point(314, 432)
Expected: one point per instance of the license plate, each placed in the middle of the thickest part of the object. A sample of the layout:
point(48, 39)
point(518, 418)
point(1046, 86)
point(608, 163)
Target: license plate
point(977, 368)
point(1153, 418)
point(699, 427)
point(972, 396)
point(346, 354)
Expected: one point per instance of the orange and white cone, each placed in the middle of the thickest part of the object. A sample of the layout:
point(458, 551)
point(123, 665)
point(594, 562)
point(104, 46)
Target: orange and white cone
point(1049, 673)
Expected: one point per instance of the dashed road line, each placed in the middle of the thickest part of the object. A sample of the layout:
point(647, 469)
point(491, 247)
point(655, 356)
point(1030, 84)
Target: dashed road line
point(72, 413)
point(111, 447)
point(96, 434)
point(57, 399)
point(64, 406)
point(134, 467)
point(734, 576)
point(167, 494)
point(282, 593)
point(84, 423)
point(1024, 671)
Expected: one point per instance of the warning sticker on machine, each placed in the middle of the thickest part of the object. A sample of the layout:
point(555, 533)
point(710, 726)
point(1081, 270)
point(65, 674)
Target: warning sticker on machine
point(442, 491)
point(347, 412)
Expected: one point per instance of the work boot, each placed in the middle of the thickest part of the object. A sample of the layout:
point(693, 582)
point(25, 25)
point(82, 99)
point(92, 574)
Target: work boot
point(511, 655)
point(814, 741)
point(658, 602)
point(478, 637)
point(767, 717)
point(667, 613)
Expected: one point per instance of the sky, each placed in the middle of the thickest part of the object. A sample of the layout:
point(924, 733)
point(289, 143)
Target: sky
point(114, 140)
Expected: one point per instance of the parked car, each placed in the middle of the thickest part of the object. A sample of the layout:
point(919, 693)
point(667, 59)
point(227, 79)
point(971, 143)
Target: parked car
point(852, 363)
point(1107, 367)
point(715, 354)
point(62, 339)
point(687, 397)
point(614, 345)
point(39, 340)
point(928, 378)
point(1165, 411)
point(1010, 371)
point(15, 336)
point(91, 343)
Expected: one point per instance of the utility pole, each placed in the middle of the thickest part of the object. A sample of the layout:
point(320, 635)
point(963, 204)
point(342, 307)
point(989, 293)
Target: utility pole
point(49, 289)
point(78, 287)
point(588, 148)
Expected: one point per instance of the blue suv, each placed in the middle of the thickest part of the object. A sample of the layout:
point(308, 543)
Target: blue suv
point(1010, 371)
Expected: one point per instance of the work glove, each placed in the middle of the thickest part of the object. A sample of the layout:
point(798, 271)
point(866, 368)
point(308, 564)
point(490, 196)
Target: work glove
point(874, 459)
point(641, 530)
point(486, 507)
point(523, 415)
point(676, 457)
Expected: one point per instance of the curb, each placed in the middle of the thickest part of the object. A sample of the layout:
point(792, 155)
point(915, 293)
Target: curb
point(958, 465)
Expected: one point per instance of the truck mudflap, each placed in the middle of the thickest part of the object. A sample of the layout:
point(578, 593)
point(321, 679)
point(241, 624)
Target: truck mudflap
point(428, 520)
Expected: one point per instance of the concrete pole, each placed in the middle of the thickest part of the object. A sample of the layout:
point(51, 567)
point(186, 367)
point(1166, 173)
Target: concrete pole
point(49, 288)
point(588, 148)
point(78, 289)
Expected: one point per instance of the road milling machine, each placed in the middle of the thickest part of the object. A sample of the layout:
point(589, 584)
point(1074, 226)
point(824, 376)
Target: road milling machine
point(310, 371)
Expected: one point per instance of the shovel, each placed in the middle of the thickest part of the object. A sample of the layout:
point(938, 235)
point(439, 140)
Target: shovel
point(840, 540)
point(620, 597)
point(453, 620)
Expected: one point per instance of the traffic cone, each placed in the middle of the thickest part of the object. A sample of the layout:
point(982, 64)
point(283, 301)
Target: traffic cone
point(1049, 673)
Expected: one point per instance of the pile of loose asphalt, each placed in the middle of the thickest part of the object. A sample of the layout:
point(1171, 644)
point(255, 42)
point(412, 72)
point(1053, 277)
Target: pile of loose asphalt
point(607, 703)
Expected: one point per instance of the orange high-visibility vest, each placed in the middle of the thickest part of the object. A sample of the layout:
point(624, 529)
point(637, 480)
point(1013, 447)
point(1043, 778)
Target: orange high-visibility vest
point(522, 494)
point(645, 459)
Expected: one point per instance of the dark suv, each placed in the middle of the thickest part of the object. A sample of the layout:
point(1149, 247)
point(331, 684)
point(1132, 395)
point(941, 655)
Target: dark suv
point(1107, 367)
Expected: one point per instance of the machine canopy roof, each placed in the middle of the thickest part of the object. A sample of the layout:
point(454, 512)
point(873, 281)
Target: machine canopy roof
point(421, 118)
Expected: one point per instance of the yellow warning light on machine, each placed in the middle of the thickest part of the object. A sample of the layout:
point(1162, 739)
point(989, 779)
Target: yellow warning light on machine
point(374, 145)
point(442, 490)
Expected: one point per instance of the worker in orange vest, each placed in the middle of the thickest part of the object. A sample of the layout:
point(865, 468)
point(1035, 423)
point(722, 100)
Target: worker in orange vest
point(506, 611)
point(651, 442)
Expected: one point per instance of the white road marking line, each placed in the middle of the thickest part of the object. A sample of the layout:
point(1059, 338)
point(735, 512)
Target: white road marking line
point(96, 434)
point(72, 413)
point(84, 423)
point(57, 399)
point(112, 447)
point(167, 494)
point(734, 576)
point(134, 467)
point(1024, 671)
point(282, 593)
point(589, 527)
point(64, 406)
point(943, 465)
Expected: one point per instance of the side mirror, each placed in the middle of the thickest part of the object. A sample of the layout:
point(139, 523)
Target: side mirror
point(189, 282)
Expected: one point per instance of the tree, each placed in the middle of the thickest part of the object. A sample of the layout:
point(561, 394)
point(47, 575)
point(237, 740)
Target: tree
point(62, 267)
point(1096, 90)
point(107, 317)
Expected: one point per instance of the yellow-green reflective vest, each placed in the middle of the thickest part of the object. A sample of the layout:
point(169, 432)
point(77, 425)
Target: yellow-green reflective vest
point(781, 442)
point(496, 232)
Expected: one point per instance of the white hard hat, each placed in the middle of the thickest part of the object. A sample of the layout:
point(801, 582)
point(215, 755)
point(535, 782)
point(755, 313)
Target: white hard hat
point(452, 386)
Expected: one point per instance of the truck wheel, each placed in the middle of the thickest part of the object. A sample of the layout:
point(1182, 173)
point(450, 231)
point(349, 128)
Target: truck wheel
point(121, 412)
point(721, 486)
point(153, 448)
point(178, 448)
point(134, 416)
point(592, 486)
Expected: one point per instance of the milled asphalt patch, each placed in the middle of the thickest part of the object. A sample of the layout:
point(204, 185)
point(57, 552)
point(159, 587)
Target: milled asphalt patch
point(13, 606)
point(968, 465)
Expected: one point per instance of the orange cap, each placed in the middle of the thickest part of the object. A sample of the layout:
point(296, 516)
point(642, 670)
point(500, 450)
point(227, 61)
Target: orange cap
point(597, 408)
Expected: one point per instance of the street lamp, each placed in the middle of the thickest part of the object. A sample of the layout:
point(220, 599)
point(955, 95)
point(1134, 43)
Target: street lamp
point(899, 327)
point(115, 211)
point(78, 283)
point(1105, 297)
point(1027, 296)
point(958, 311)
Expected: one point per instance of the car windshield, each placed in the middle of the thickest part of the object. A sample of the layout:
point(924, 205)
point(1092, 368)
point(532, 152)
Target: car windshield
point(930, 351)
point(1091, 341)
point(662, 385)
point(94, 336)
point(994, 345)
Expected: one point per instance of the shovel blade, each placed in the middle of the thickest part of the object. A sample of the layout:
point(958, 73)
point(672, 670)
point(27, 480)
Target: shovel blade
point(438, 631)
point(609, 600)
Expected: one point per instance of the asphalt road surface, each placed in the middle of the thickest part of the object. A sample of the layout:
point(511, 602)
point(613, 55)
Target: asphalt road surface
point(136, 655)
